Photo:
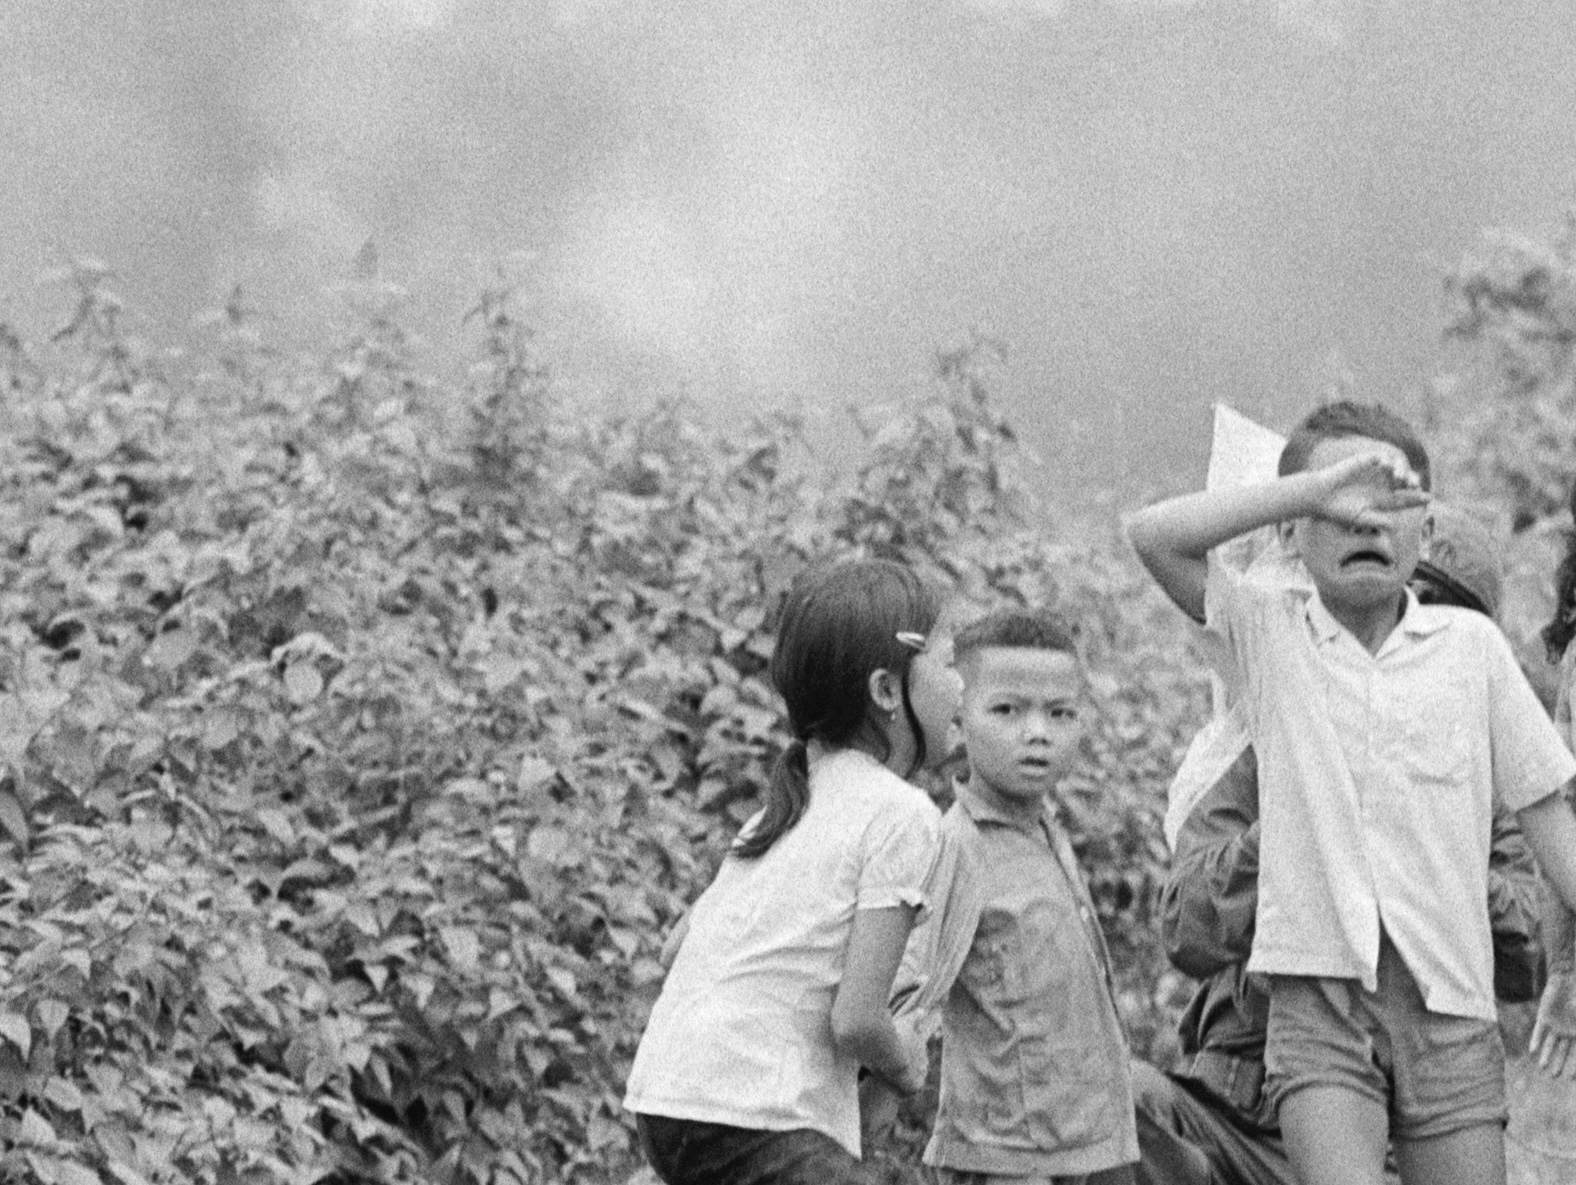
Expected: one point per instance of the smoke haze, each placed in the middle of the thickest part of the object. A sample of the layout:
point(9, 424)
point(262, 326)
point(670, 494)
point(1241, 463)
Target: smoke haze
point(1154, 203)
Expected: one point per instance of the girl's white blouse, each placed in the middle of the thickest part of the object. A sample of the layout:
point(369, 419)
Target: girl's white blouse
point(741, 1033)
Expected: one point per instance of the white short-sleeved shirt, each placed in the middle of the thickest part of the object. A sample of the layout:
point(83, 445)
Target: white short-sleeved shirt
point(1378, 775)
point(742, 1032)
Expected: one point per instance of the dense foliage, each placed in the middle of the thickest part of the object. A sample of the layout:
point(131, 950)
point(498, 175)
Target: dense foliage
point(363, 733)
point(1502, 411)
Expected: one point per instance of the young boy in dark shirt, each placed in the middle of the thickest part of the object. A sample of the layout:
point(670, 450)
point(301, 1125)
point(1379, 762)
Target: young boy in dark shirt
point(1034, 1064)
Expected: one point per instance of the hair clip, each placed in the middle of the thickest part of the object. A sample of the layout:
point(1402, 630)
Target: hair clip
point(912, 640)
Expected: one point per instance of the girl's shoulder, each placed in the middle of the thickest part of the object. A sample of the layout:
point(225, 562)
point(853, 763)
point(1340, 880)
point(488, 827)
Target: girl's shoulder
point(856, 772)
point(858, 787)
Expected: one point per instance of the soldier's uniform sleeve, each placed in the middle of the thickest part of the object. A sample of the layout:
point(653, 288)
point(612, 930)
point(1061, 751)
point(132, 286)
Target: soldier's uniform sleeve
point(1210, 896)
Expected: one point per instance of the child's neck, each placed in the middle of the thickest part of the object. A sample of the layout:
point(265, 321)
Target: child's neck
point(1370, 624)
point(1023, 810)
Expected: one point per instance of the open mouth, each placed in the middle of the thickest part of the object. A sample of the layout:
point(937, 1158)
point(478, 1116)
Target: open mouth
point(1367, 558)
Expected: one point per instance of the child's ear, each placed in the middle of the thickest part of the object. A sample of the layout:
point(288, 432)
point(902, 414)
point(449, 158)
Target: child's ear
point(886, 691)
point(1428, 534)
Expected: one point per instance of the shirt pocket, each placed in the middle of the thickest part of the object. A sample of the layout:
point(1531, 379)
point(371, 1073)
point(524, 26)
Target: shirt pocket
point(1012, 964)
point(1436, 748)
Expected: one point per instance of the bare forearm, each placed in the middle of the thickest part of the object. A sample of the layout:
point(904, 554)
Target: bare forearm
point(1550, 828)
point(874, 1044)
point(1174, 537)
point(1194, 524)
point(862, 1026)
point(1559, 935)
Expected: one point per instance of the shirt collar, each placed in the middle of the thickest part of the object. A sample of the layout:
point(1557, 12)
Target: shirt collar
point(1420, 620)
point(1417, 620)
point(983, 812)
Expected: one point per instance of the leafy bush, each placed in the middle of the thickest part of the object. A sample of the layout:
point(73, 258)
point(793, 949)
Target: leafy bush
point(364, 732)
point(1502, 413)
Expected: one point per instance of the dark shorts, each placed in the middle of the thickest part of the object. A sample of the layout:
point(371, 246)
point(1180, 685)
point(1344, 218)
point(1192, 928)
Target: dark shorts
point(690, 1152)
point(1433, 1073)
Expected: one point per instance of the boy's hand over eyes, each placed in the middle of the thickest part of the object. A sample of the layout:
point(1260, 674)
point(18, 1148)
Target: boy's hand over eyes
point(1365, 487)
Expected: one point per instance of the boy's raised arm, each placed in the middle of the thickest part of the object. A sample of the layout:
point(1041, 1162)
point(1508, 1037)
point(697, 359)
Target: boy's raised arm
point(1174, 537)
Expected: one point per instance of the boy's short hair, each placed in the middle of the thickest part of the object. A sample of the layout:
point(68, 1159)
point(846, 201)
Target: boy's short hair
point(1024, 629)
point(1334, 421)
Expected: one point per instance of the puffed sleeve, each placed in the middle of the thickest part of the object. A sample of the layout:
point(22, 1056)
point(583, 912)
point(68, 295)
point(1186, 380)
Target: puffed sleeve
point(901, 847)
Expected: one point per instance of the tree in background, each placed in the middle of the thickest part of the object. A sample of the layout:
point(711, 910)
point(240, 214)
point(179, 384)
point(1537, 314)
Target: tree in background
point(1502, 418)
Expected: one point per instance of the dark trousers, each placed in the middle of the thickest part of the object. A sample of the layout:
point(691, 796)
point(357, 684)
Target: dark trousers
point(689, 1152)
point(1187, 1138)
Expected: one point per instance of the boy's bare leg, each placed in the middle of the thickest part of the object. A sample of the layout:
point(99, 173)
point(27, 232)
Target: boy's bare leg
point(1472, 1156)
point(1336, 1136)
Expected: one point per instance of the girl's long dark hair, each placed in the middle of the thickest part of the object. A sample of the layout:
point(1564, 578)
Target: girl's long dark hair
point(839, 625)
point(1562, 626)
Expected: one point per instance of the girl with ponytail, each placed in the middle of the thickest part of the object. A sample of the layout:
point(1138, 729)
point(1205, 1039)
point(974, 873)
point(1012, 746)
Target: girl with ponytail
point(747, 1071)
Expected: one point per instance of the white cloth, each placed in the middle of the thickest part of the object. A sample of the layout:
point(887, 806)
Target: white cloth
point(742, 1033)
point(1217, 745)
point(1378, 775)
point(1213, 750)
point(1241, 453)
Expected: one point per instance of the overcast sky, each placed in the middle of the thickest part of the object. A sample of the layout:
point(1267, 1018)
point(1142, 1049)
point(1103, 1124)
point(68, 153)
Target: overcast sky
point(1154, 203)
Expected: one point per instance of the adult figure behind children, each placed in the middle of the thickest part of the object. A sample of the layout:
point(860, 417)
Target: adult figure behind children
point(1207, 1122)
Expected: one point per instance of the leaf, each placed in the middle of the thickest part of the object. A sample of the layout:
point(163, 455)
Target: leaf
point(52, 1014)
point(36, 1129)
point(533, 773)
point(16, 1030)
point(464, 947)
point(12, 817)
point(63, 1094)
point(602, 1132)
point(170, 649)
point(499, 671)
point(420, 986)
point(24, 714)
point(68, 1172)
point(563, 980)
point(302, 682)
point(127, 1174)
point(553, 845)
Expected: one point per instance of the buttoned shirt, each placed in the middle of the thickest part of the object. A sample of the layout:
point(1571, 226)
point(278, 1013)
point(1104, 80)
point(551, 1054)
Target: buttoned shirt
point(1034, 1077)
point(1378, 776)
point(1206, 922)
